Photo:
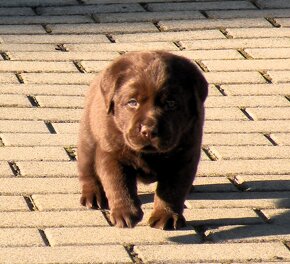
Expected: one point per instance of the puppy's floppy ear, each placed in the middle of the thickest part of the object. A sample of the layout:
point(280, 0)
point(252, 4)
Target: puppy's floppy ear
point(111, 81)
point(190, 74)
point(202, 86)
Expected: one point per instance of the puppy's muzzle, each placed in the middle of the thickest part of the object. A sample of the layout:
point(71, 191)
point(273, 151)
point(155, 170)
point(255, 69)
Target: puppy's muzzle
point(148, 132)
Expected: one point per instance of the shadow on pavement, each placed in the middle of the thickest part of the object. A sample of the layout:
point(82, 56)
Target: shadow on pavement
point(269, 204)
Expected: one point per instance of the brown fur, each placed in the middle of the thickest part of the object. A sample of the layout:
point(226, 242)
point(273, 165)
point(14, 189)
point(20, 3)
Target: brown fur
point(142, 120)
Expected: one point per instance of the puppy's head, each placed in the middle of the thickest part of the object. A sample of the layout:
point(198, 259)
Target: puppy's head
point(154, 97)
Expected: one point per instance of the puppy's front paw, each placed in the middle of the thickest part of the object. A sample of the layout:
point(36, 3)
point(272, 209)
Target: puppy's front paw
point(126, 216)
point(93, 198)
point(166, 220)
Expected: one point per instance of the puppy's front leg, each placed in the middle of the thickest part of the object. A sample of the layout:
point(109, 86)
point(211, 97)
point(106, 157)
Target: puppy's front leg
point(169, 201)
point(121, 190)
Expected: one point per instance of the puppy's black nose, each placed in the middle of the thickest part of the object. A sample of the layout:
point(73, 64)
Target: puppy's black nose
point(148, 131)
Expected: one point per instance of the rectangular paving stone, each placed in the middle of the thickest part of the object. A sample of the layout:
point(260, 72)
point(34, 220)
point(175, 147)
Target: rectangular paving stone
point(213, 23)
point(71, 201)
point(44, 114)
point(259, 32)
point(279, 113)
point(95, 66)
point(89, 9)
point(253, 233)
point(224, 114)
point(256, 89)
point(33, 3)
point(39, 185)
point(22, 126)
point(5, 170)
point(247, 101)
point(43, 89)
point(63, 255)
point(282, 138)
point(278, 216)
point(26, 47)
point(247, 65)
point(66, 128)
point(211, 184)
point(270, 4)
point(233, 77)
point(269, 53)
point(284, 22)
point(31, 20)
point(38, 139)
point(250, 42)
point(212, 91)
point(21, 29)
point(200, 5)
point(16, 11)
point(20, 237)
point(262, 126)
point(101, 28)
point(36, 66)
point(91, 2)
point(56, 202)
point(14, 100)
point(279, 76)
point(250, 199)
point(61, 39)
point(63, 56)
point(218, 252)
point(210, 54)
point(33, 153)
point(221, 216)
point(8, 78)
point(111, 235)
point(233, 139)
point(269, 183)
point(146, 16)
point(48, 169)
point(60, 101)
point(253, 152)
point(53, 219)
point(122, 47)
point(168, 36)
point(248, 13)
point(12, 203)
point(57, 78)
point(233, 167)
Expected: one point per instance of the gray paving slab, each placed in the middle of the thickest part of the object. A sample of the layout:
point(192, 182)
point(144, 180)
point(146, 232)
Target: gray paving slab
point(89, 9)
point(201, 5)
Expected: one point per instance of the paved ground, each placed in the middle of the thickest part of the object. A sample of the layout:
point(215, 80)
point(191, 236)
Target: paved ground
point(239, 209)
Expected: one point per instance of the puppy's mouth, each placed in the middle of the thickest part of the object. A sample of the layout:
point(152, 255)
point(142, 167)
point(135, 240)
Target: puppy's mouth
point(141, 146)
point(149, 147)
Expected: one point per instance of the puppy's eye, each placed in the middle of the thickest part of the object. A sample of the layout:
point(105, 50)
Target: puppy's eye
point(171, 104)
point(133, 103)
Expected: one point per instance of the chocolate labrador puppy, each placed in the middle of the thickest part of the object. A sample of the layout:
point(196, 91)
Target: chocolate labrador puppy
point(142, 120)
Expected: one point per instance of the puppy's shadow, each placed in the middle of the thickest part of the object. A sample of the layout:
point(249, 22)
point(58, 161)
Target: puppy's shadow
point(219, 229)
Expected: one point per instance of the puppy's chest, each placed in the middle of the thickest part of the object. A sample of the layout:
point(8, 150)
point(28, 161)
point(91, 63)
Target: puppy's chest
point(147, 168)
